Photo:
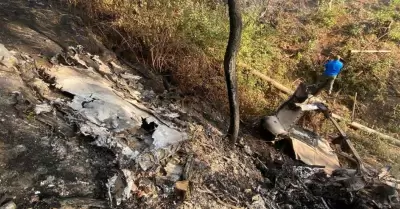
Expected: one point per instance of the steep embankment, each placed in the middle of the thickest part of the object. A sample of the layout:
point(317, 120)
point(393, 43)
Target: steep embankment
point(72, 135)
point(286, 40)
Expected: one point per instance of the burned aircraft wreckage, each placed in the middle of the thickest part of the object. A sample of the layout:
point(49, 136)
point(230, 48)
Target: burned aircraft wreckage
point(307, 146)
point(109, 106)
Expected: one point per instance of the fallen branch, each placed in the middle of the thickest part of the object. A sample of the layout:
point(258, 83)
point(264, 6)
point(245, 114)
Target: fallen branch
point(261, 165)
point(325, 204)
point(273, 82)
point(370, 51)
point(354, 107)
point(355, 125)
point(360, 164)
point(392, 140)
point(347, 156)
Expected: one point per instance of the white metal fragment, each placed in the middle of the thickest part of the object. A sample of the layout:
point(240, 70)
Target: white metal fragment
point(43, 108)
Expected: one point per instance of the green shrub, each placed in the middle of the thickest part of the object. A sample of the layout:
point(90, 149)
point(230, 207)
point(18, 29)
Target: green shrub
point(394, 33)
point(187, 38)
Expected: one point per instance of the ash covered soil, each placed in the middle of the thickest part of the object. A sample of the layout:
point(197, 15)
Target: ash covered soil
point(79, 129)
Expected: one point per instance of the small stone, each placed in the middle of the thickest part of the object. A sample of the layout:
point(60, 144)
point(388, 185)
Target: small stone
point(147, 186)
point(241, 141)
point(145, 161)
point(182, 185)
point(34, 198)
point(9, 205)
point(247, 191)
point(174, 171)
point(248, 150)
point(6, 57)
point(235, 171)
point(49, 180)
point(258, 202)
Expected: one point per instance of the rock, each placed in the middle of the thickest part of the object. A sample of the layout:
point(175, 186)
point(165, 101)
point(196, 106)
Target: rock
point(241, 141)
point(6, 58)
point(258, 202)
point(182, 185)
point(9, 205)
point(48, 182)
point(248, 150)
point(34, 199)
point(146, 187)
point(174, 172)
point(145, 161)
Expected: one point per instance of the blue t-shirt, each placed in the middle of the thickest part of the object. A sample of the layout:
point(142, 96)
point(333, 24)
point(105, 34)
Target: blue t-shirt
point(333, 67)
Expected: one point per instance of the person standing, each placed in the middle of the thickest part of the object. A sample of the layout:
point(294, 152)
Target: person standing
point(327, 79)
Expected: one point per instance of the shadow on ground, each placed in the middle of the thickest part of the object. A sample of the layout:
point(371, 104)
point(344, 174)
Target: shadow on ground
point(41, 156)
point(43, 28)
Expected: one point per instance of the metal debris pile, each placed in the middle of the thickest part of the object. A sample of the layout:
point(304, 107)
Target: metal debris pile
point(105, 102)
point(296, 186)
point(322, 183)
point(110, 106)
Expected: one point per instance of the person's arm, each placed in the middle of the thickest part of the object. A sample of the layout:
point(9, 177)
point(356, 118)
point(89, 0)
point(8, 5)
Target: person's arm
point(340, 71)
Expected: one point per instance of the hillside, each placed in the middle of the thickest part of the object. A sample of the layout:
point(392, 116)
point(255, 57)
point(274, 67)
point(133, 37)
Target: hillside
point(286, 40)
point(122, 104)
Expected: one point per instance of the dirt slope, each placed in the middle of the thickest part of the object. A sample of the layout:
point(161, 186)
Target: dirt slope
point(47, 162)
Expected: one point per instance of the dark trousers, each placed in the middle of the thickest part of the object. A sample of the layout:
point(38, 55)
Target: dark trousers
point(325, 81)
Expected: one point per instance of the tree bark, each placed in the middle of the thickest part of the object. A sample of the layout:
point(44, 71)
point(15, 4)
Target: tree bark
point(235, 24)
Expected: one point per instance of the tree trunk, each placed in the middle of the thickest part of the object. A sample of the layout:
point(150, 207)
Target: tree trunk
point(235, 23)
